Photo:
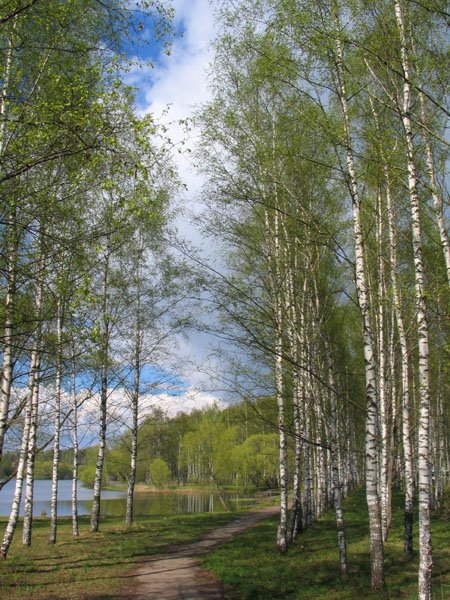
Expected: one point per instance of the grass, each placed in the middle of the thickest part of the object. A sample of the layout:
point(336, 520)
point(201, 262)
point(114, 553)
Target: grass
point(252, 568)
point(94, 565)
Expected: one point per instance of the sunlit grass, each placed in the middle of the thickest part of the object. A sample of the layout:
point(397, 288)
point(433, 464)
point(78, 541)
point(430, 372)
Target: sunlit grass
point(94, 565)
point(253, 568)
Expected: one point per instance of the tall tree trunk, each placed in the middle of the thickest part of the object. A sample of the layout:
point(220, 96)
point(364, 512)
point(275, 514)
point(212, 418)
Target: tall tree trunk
point(95, 512)
point(438, 204)
point(393, 412)
point(336, 480)
point(11, 235)
point(273, 258)
point(15, 507)
point(6, 77)
point(405, 408)
point(8, 331)
point(35, 366)
point(31, 457)
point(57, 431)
point(382, 402)
point(307, 512)
point(321, 502)
point(425, 548)
point(295, 525)
point(135, 403)
point(74, 402)
point(376, 539)
point(308, 506)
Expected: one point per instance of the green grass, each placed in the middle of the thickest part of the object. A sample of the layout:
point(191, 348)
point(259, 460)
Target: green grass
point(92, 566)
point(253, 569)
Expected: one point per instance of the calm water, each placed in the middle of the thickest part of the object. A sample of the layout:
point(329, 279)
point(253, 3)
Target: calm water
point(114, 502)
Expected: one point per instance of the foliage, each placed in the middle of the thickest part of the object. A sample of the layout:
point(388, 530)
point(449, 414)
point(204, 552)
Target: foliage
point(159, 473)
point(210, 447)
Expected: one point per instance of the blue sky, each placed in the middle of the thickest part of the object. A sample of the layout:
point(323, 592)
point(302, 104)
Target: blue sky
point(170, 90)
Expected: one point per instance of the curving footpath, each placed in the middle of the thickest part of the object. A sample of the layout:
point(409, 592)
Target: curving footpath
point(179, 574)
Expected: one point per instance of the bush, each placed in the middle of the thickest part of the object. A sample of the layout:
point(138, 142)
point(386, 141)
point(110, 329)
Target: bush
point(159, 472)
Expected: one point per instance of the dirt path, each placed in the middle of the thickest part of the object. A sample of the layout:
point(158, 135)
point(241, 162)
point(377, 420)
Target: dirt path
point(179, 574)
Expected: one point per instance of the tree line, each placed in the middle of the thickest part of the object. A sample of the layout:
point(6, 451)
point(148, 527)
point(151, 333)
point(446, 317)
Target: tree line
point(235, 447)
point(324, 148)
point(88, 284)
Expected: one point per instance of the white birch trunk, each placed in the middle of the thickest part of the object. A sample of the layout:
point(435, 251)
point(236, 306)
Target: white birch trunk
point(273, 252)
point(336, 481)
point(135, 406)
point(5, 89)
point(382, 402)
point(14, 514)
point(425, 548)
point(57, 430)
point(376, 539)
point(404, 352)
point(308, 509)
point(8, 331)
point(31, 457)
point(438, 204)
point(274, 266)
point(321, 502)
point(73, 393)
point(305, 415)
point(442, 474)
point(11, 258)
point(95, 511)
point(296, 512)
point(393, 412)
point(31, 450)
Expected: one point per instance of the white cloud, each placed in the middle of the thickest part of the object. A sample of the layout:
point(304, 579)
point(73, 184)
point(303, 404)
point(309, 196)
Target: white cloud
point(118, 406)
point(179, 82)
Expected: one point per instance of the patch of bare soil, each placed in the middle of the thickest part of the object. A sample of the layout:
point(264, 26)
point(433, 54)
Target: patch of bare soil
point(178, 574)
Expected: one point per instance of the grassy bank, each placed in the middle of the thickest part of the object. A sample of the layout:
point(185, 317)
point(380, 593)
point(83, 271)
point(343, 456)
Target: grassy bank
point(253, 568)
point(94, 565)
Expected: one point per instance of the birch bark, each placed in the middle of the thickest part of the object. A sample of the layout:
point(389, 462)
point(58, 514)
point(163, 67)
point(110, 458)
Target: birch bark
point(382, 401)
point(135, 402)
point(11, 259)
point(57, 427)
point(404, 352)
point(376, 540)
point(95, 512)
point(296, 511)
point(274, 266)
point(438, 204)
point(336, 480)
point(34, 366)
point(14, 514)
point(8, 331)
point(425, 547)
point(73, 393)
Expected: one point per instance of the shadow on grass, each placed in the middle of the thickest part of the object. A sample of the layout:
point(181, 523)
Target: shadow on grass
point(253, 568)
point(92, 565)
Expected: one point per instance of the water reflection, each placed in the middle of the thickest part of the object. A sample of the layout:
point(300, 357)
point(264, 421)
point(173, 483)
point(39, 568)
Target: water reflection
point(114, 502)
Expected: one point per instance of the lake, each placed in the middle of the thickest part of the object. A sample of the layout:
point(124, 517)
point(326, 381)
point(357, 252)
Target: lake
point(114, 502)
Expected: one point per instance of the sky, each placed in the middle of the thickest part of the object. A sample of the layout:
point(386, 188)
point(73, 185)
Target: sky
point(170, 90)
point(177, 83)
